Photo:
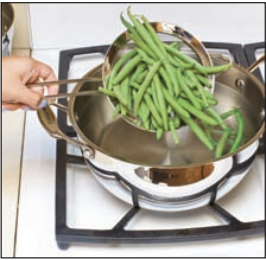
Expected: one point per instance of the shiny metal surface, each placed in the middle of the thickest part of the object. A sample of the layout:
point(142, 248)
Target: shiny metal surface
point(62, 82)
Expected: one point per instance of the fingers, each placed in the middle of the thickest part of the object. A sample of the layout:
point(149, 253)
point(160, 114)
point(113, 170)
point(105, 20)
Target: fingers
point(46, 73)
point(19, 71)
point(10, 107)
point(30, 97)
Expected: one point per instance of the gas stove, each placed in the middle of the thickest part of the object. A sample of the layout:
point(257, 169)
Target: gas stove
point(64, 211)
point(74, 225)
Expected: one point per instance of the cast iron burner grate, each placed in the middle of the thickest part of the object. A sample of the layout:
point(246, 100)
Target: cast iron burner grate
point(66, 236)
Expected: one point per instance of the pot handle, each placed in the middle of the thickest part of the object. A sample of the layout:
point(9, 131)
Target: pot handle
point(250, 69)
point(48, 120)
point(256, 64)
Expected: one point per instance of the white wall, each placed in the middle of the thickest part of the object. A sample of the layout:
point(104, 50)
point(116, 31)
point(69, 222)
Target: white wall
point(77, 25)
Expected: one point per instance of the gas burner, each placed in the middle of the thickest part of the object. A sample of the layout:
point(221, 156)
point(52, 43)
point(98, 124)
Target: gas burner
point(120, 232)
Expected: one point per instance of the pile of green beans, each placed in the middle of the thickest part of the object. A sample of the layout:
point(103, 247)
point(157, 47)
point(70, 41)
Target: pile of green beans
point(166, 89)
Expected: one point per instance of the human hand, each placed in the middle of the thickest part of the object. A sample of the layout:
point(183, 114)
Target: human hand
point(17, 71)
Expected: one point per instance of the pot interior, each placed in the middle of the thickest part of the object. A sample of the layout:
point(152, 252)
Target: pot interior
point(92, 119)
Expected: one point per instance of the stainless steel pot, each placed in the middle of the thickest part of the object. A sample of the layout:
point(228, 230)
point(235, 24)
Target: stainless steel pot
point(8, 16)
point(138, 169)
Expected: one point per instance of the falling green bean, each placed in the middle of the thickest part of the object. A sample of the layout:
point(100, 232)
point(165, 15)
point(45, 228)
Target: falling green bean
point(220, 145)
point(240, 131)
point(199, 133)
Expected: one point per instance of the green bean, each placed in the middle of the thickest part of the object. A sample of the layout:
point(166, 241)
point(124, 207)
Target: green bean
point(199, 133)
point(170, 70)
point(116, 111)
point(199, 114)
point(199, 87)
point(144, 111)
point(167, 73)
point(157, 51)
point(161, 101)
point(174, 62)
point(143, 33)
point(144, 85)
point(142, 67)
point(142, 45)
point(228, 113)
point(135, 36)
point(180, 111)
point(154, 96)
point(205, 81)
point(185, 58)
point(217, 69)
point(159, 133)
point(220, 146)
point(240, 131)
point(210, 101)
point(118, 65)
point(208, 131)
point(166, 80)
point(166, 88)
point(176, 121)
point(153, 34)
point(173, 132)
point(137, 86)
point(142, 76)
point(130, 28)
point(187, 90)
point(145, 57)
point(124, 72)
point(125, 91)
point(153, 109)
point(216, 116)
point(220, 131)
point(123, 110)
point(119, 95)
point(154, 124)
point(175, 45)
point(108, 92)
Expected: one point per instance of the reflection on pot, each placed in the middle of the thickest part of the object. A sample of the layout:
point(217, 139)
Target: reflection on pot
point(175, 177)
